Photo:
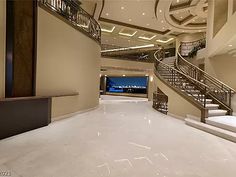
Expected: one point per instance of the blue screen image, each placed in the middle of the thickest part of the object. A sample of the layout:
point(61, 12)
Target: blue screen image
point(127, 84)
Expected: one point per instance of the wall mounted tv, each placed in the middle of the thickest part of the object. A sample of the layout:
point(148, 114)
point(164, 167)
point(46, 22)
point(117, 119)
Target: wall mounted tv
point(136, 85)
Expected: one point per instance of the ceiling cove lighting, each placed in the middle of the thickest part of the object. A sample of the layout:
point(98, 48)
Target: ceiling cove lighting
point(128, 34)
point(108, 30)
point(164, 41)
point(128, 48)
point(147, 38)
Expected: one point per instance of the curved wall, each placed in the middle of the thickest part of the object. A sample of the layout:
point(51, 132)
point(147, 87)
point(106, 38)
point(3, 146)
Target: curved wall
point(2, 47)
point(67, 62)
point(177, 105)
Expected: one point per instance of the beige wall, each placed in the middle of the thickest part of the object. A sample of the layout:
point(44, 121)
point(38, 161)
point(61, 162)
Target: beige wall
point(146, 67)
point(68, 61)
point(223, 67)
point(177, 105)
point(215, 44)
point(2, 47)
point(88, 5)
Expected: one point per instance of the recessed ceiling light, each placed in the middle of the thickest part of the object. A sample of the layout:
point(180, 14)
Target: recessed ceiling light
point(163, 27)
point(108, 30)
point(128, 48)
point(162, 21)
point(123, 75)
point(147, 38)
point(148, 24)
point(106, 75)
point(127, 34)
point(143, 13)
point(199, 30)
point(122, 8)
point(160, 11)
point(130, 19)
point(128, 40)
point(107, 14)
point(193, 20)
point(162, 41)
point(183, 31)
point(181, 17)
point(177, 1)
point(230, 45)
point(146, 74)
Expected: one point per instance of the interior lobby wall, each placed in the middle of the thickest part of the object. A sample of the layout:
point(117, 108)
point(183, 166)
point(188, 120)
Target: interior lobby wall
point(223, 68)
point(88, 6)
point(67, 62)
point(2, 47)
point(216, 43)
point(177, 105)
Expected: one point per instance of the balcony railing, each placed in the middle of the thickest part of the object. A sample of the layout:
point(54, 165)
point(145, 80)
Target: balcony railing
point(160, 101)
point(71, 11)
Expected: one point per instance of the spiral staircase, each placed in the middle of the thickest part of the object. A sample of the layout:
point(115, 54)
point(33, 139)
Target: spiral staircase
point(207, 93)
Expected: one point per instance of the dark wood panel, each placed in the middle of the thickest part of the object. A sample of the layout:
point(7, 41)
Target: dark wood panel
point(21, 48)
point(19, 116)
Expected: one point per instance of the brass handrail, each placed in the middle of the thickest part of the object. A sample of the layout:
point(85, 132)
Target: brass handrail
point(206, 74)
point(181, 73)
point(71, 12)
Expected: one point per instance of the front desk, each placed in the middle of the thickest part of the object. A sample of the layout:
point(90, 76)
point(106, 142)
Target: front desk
point(18, 115)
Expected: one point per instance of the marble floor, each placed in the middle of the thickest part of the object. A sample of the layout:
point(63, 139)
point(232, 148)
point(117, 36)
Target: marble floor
point(119, 139)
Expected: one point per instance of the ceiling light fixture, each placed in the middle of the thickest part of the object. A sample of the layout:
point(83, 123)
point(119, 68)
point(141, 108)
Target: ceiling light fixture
point(148, 24)
point(143, 13)
point(160, 11)
point(162, 21)
point(177, 1)
point(130, 19)
point(107, 14)
point(108, 30)
point(164, 41)
point(147, 38)
point(230, 45)
point(128, 48)
point(123, 75)
point(122, 8)
point(128, 34)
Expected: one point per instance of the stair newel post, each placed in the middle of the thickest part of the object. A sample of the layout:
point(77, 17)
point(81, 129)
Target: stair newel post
point(230, 94)
point(205, 97)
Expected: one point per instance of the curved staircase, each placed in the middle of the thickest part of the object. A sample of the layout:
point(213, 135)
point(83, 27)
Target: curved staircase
point(207, 93)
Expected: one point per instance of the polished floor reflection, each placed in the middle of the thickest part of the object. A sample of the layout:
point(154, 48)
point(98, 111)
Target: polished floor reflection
point(124, 137)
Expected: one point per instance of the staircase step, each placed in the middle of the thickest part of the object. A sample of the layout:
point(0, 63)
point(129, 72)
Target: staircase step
point(212, 106)
point(224, 122)
point(217, 112)
point(208, 101)
point(228, 135)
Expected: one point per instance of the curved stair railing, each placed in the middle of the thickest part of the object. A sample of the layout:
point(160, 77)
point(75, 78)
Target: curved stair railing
point(217, 90)
point(182, 83)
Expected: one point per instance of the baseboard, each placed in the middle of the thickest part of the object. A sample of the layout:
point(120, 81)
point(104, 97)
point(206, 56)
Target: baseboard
point(189, 116)
point(176, 116)
point(73, 114)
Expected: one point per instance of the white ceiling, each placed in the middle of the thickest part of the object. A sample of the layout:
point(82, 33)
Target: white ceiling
point(151, 21)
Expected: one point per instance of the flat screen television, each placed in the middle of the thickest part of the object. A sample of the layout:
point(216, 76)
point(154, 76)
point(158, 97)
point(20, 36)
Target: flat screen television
point(136, 85)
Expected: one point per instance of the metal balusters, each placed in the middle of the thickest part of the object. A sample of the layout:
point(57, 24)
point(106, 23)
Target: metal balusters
point(71, 11)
